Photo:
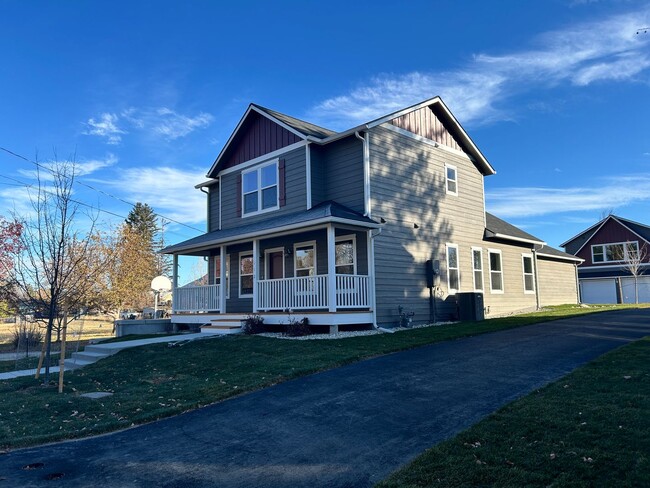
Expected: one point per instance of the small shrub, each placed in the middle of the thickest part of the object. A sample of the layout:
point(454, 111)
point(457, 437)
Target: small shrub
point(253, 324)
point(26, 335)
point(298, 328)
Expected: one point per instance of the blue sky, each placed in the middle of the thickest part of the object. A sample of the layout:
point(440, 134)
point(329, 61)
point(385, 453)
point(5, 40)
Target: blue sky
point(556, 93)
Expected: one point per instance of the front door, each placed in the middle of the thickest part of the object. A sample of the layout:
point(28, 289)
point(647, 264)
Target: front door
point(276, 265)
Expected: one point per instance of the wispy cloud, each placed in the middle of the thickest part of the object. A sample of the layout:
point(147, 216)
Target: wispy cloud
point(605, 193)
point(82, 168)
point(105, 126)
point(169, 191)
point(163, 122)
point(605, 50)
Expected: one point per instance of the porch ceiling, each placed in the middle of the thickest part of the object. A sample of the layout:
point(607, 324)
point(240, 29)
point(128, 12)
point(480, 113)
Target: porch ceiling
point(321, 214)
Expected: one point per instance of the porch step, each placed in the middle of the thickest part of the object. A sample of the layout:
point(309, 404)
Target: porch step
point(221, 329)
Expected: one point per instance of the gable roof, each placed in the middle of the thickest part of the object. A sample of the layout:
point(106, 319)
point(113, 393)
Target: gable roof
point(551, 252)
point(320, 135)
point(495, 228)
point(324, 212)
point(643, 231)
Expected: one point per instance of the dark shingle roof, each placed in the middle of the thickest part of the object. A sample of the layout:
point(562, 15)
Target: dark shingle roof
point(329, 210)
point(305, 128)
point(495, 226)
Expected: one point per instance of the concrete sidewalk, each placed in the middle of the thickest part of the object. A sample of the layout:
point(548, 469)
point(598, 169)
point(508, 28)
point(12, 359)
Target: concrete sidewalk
point(346, 427)
point(94, 352)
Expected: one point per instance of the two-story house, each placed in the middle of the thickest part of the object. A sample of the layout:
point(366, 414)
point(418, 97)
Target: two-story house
point(613, 251)
point(339, 226)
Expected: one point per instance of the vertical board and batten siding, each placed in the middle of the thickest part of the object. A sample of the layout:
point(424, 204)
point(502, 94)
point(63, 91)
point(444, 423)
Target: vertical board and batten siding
point(295, 191)
point(407, 186)
point(424, 122)
point(257, 137)
point(557, 282)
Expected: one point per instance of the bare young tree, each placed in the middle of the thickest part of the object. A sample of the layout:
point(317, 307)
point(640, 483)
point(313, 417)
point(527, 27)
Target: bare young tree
point(633, 260)
point(54, 272)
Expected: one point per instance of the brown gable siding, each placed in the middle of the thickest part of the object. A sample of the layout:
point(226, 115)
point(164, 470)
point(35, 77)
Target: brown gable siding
point(258, 136)
point(609, 233)
point(424, 122)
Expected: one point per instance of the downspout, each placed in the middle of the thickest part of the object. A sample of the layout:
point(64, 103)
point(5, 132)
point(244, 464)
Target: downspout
point(366, 173)
point(537, 302)
point(208, 212)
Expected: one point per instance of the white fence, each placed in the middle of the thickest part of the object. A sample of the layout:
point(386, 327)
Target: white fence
point(196, 299)
point(352, 291)
point(304, 292)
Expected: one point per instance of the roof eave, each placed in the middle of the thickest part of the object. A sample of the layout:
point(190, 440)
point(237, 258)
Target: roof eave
point(497, 235)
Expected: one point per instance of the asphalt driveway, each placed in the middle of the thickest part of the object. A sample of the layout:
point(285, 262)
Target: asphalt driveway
point(348, 427)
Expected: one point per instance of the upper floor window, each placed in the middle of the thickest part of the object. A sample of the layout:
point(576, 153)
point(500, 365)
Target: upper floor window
point(620, 251)
point(451, 177)
point(260, 189)
point(529, 276)
point(496, 271)
point(453, 270)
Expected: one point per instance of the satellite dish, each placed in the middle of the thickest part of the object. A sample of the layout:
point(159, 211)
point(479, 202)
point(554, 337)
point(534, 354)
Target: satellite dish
point(161, 283)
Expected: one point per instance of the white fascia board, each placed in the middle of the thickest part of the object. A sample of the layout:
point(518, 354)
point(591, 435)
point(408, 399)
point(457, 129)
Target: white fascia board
point(611, 266)
point(598, 224)
point(562, 258)
point(628, 228)
point(264, 157)
point(279, 122)
point(276, 230)
point(513, 238)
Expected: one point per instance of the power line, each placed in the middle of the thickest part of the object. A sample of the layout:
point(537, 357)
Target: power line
point(54, 173)
point(97, 209)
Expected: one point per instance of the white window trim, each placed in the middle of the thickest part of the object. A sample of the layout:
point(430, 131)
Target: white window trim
point(523, 272)
point(227, 273)
point(239, 275)
point(451, 166)
point(258, 169)
point(266, 262)
point(450, 290)
point(604, 245)
point(503, 284)
point(474, 270)
point(348, 237)
point(305, 244)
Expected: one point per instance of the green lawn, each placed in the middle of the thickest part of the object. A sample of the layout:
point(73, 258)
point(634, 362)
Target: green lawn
point(157, 381)
point(588, 429)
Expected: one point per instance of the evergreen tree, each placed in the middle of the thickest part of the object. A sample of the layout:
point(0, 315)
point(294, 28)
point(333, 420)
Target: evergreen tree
point(142, 221)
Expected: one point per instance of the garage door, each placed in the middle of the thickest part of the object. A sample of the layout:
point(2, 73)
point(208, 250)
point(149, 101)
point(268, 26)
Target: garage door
point(643, 289)
point(598, 291)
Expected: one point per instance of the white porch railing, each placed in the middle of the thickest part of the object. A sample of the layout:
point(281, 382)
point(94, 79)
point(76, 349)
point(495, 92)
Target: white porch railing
point(196, 299)
point(352, 291)
point(304, 292)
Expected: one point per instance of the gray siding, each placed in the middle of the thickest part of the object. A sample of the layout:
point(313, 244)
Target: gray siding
point(295, 189)
point(557, 282)
point(337, 173)
point(213, 208)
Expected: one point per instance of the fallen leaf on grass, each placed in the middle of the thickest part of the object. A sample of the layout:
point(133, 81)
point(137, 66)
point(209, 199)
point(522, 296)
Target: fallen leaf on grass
point(552, 456)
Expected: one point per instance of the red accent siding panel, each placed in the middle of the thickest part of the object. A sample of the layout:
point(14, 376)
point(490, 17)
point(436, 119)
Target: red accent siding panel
point(424, 122)
point(257, 136)
point(609, 233)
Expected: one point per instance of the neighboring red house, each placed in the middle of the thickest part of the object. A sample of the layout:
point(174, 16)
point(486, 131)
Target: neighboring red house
point(611, 249)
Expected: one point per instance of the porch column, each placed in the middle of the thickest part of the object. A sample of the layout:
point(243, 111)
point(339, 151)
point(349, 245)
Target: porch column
point(331, 268)
point(256, 274)
point(174, 280)
point(222, 280)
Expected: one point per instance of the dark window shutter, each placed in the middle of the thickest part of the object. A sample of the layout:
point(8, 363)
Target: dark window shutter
point(239, 195)
point(283, 196)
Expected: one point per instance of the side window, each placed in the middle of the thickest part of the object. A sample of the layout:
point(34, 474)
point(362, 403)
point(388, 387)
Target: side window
point(529, 277)
point(453, 270)
point(496, 271)
point(217, 273)
point(451, 179)
point(246, 274)
point(477, 267)
point(305, 259)
point(345, 255)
